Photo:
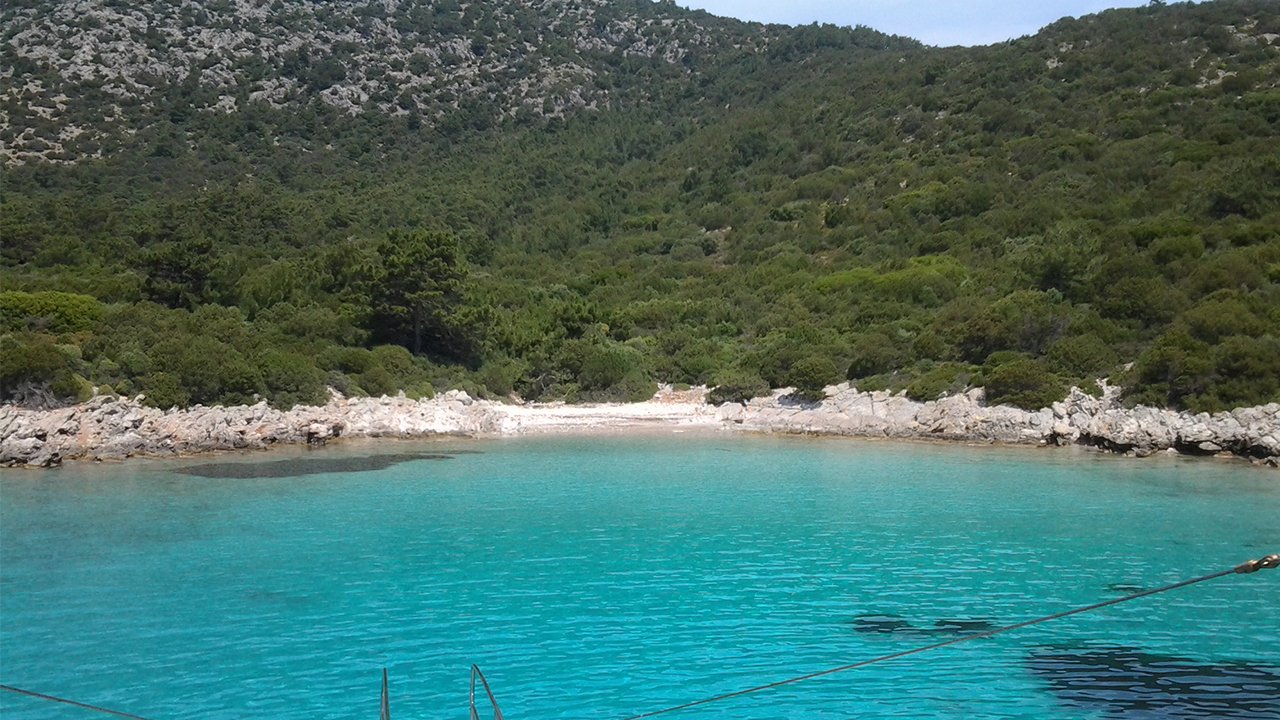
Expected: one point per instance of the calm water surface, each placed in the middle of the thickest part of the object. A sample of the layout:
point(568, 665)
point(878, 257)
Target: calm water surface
point(601, 577)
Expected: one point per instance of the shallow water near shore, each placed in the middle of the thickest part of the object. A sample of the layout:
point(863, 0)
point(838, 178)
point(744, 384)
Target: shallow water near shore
point(605, 576)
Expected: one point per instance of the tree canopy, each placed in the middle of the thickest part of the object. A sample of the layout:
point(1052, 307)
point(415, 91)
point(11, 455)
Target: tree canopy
point(1101, 199)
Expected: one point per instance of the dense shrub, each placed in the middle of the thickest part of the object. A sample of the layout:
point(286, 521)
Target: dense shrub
point(310, 322)
point(349, 360)
point(873, 354)
point(736, 385)
point(1023, 383)
point(1176, 370)
point(500, 375)
point(1082, 355)
point(1146, 299)
point(1222, 315)
point(395, 360)
point(210, 371)
point(71, 387)
point(55, 312)
point(163, 390)
point(777, 354)
point(291, 379)
point(633, 387)
point(931, 381)
point(32, 358)
point(1028, 321)
point(375, 382)
point(810, 375)
point(603, 365)
point(1247, 372)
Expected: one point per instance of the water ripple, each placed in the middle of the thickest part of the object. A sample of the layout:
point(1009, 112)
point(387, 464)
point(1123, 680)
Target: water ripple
point(605, 577)
point(1128, 683)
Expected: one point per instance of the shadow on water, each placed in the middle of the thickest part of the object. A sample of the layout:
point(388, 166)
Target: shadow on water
point(307, 466)
point(1124, 682)
point(896, 625)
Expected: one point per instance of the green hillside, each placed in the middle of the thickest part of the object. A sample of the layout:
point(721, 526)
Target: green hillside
point(667, 197)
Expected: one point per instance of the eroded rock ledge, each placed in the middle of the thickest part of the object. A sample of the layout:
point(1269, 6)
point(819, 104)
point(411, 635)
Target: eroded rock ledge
point(1080, 418)
point(108, 428)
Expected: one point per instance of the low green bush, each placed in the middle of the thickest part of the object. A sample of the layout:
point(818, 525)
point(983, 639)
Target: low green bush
point(634, 387)
point(39, 360)
point(605, 365)
point(72, 386)
point(872, 354)
point(1082, 355)
point(163, 390)
point(930, 381)
point(211, 372)
point(500, 375)
point(736, 385)
point(377, 381)
point(1024, 383)
point(291, 379)
point(396, 359)
point(55, 312)
point(811, 375)
point(349, 360)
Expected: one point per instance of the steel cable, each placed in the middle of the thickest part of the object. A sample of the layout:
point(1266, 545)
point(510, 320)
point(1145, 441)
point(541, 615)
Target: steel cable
point(1266, 563)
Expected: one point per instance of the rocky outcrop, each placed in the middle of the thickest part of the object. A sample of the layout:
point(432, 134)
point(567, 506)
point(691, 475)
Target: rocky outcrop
point(107, 428)
point(116, 428)
point(1079, 418)
point(1248, 432)
point(847, 411)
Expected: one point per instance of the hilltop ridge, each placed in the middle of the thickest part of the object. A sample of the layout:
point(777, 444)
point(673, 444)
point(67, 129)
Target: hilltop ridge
point(84, 73)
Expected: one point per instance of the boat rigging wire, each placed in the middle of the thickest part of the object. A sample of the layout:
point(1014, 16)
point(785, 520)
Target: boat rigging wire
point(65, 701)
point(1265, 563)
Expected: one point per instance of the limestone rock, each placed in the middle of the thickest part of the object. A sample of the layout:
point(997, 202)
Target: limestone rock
point(117, 428)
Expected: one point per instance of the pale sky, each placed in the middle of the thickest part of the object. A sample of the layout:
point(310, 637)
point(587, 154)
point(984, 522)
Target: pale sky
point(935, 22)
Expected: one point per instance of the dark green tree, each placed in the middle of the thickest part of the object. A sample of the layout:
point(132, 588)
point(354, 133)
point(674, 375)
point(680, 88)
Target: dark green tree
point(418, 293)
point(1024, 383)
point(736, 385)
point(810, 376)
point(177, 273)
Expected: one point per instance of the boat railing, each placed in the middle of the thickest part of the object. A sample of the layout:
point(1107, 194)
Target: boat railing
point(476, 674)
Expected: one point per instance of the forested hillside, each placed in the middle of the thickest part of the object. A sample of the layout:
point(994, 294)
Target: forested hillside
point(208, 202)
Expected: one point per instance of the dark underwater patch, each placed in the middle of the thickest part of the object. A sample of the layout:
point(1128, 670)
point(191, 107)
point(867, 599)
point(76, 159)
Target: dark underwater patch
point(896, 625)
point(963, 627)
point(305, 466)
point(1124, 682)
point(881, 624)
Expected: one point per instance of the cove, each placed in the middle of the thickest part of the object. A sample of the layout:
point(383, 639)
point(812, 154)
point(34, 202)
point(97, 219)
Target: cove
point(605, 576)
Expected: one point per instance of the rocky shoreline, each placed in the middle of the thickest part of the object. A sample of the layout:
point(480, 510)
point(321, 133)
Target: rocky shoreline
point(110, 428)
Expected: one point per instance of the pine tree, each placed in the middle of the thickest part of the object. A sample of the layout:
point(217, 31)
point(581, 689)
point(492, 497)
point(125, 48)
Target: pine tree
point(420, 288)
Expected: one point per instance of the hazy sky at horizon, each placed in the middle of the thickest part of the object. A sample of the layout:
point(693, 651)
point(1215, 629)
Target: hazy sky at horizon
point(936, 22)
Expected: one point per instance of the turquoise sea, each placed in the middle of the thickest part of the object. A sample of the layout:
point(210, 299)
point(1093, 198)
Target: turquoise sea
point(601, 577)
